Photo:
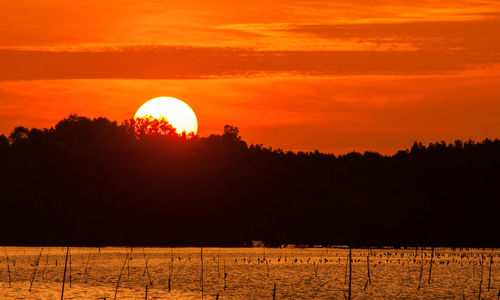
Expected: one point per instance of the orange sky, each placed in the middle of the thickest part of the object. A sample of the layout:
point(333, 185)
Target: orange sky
point(301, 75)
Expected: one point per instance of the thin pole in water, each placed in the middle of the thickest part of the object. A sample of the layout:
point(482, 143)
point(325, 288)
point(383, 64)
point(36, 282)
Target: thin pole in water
point(86, 268)
point(225, 274)
point(70, 268)
point(346, 266)
point(37, 262)
point(45, 265)
point(430, 266)
point(64, 274)
point(8, 267)
point(421, 270)
point(147, 269)
point(368, 268)
point(128, 264)
point(201, 256)
point(368, 281)
point(408, 264)
point(218, 264)
point(120, 276)
point(171, 267)
point(489, 273)
point(481, 280)
point(350, 272)
point(274, 291)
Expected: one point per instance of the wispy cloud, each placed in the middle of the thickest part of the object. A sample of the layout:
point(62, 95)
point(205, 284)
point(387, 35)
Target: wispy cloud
point(205, 62)
point(470, 35)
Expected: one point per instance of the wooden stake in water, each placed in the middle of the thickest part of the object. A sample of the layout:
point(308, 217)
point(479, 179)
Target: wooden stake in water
point(146, 292)
point(489, 272)
point(37, 262)
point(147, 269)
point(8, 266)
point(481, 280)
point(128, 264)
point(346, 266)
point(171, 267)
point(86, 269)
point(350, 273)
point(274, 292)
point(70, 268)
point(421, 271)
point(368, 281)
point(368, 268)
point(408, 264)
point(225, 274)
point(64, 274)
point(430, 266)
point(46, 263)
point(218, 265)
point(120, 276)
point(201, 256)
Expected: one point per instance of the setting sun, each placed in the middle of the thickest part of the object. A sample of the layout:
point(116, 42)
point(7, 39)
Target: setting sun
point(175, 111)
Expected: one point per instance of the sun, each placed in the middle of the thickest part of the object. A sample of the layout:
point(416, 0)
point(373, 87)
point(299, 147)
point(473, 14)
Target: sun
point(175, 111)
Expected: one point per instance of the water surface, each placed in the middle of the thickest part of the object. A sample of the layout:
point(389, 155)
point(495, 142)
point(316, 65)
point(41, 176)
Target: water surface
point(251, 273)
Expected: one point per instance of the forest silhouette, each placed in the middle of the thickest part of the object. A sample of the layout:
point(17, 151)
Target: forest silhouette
point(96, 182)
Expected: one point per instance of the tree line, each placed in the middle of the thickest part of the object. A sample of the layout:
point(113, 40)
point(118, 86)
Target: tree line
point(96, 182)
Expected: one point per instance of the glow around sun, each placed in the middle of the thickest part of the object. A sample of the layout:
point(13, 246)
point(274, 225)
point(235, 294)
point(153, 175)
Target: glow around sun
point(175, 111)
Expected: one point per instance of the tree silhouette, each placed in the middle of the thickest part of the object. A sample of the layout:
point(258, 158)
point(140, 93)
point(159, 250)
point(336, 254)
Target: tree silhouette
point(95, 182)
point(19, 134)
point(4, 142)
point(149, 126)
point(231, 133)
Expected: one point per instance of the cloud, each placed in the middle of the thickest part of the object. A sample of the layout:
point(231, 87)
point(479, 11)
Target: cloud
point(209, 62)
point(465, 35)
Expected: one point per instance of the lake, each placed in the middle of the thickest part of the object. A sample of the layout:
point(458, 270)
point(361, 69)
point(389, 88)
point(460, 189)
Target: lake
point(251, 273)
